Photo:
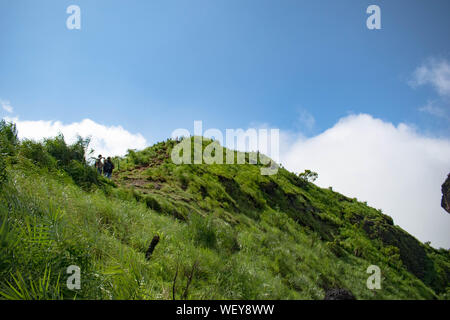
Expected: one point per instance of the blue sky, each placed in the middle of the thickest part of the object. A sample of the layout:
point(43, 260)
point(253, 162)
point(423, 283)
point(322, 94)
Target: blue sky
point(154, 66)
point(369, 110)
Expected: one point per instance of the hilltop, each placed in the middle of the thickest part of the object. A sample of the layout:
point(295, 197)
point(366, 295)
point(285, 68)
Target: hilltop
point(225, 231)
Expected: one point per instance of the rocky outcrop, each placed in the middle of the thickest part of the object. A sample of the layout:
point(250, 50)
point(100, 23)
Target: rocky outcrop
point(412, 252)
point(445, 203)
point(339, 294)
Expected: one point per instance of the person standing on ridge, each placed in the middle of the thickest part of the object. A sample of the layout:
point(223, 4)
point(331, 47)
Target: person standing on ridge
point(99, 164)
point(108, 167)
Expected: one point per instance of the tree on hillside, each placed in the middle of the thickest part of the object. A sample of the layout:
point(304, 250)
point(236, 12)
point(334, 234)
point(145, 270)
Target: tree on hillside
point(308, 175)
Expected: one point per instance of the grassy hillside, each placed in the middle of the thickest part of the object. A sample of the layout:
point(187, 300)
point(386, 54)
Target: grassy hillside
point(226, 231)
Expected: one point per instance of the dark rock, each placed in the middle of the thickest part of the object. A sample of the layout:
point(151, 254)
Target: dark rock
point(152, 246)
point(445, 203)
point(339, 294)
point(412, 252)
point(368, 226)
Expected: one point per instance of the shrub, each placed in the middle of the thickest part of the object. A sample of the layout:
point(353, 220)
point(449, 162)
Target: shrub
point(8, 138)
point(138, 158)
point(83, 175)
point(37, 153)
point(63, 153)
point(309, 176)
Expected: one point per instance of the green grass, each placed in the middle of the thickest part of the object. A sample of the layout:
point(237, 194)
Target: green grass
point(226, 232)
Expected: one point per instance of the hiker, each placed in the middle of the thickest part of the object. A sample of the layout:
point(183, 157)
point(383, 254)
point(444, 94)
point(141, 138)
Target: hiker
point(108, 168)
point(99, 164)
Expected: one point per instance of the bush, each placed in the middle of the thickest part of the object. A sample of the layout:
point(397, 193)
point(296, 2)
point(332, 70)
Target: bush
point(308, 175)
point(138, 158)
point(8, 138)
point(64, 153)
point(8, 146)
point(37, 153)
point(83, 175)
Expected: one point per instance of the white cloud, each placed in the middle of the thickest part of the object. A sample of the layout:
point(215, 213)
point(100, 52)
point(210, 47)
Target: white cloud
point(434, 110)
point(393, 168)
point(306, 120)
point(108, 141)
point(6, 105)
point(435, 72)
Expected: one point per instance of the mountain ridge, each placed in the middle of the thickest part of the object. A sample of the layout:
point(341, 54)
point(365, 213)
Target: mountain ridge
point(227, 230)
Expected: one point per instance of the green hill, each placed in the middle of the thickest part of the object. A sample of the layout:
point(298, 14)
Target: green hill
point(225, 231)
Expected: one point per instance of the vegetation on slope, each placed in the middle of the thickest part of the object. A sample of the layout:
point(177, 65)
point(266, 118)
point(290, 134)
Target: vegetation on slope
point(226, 231)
